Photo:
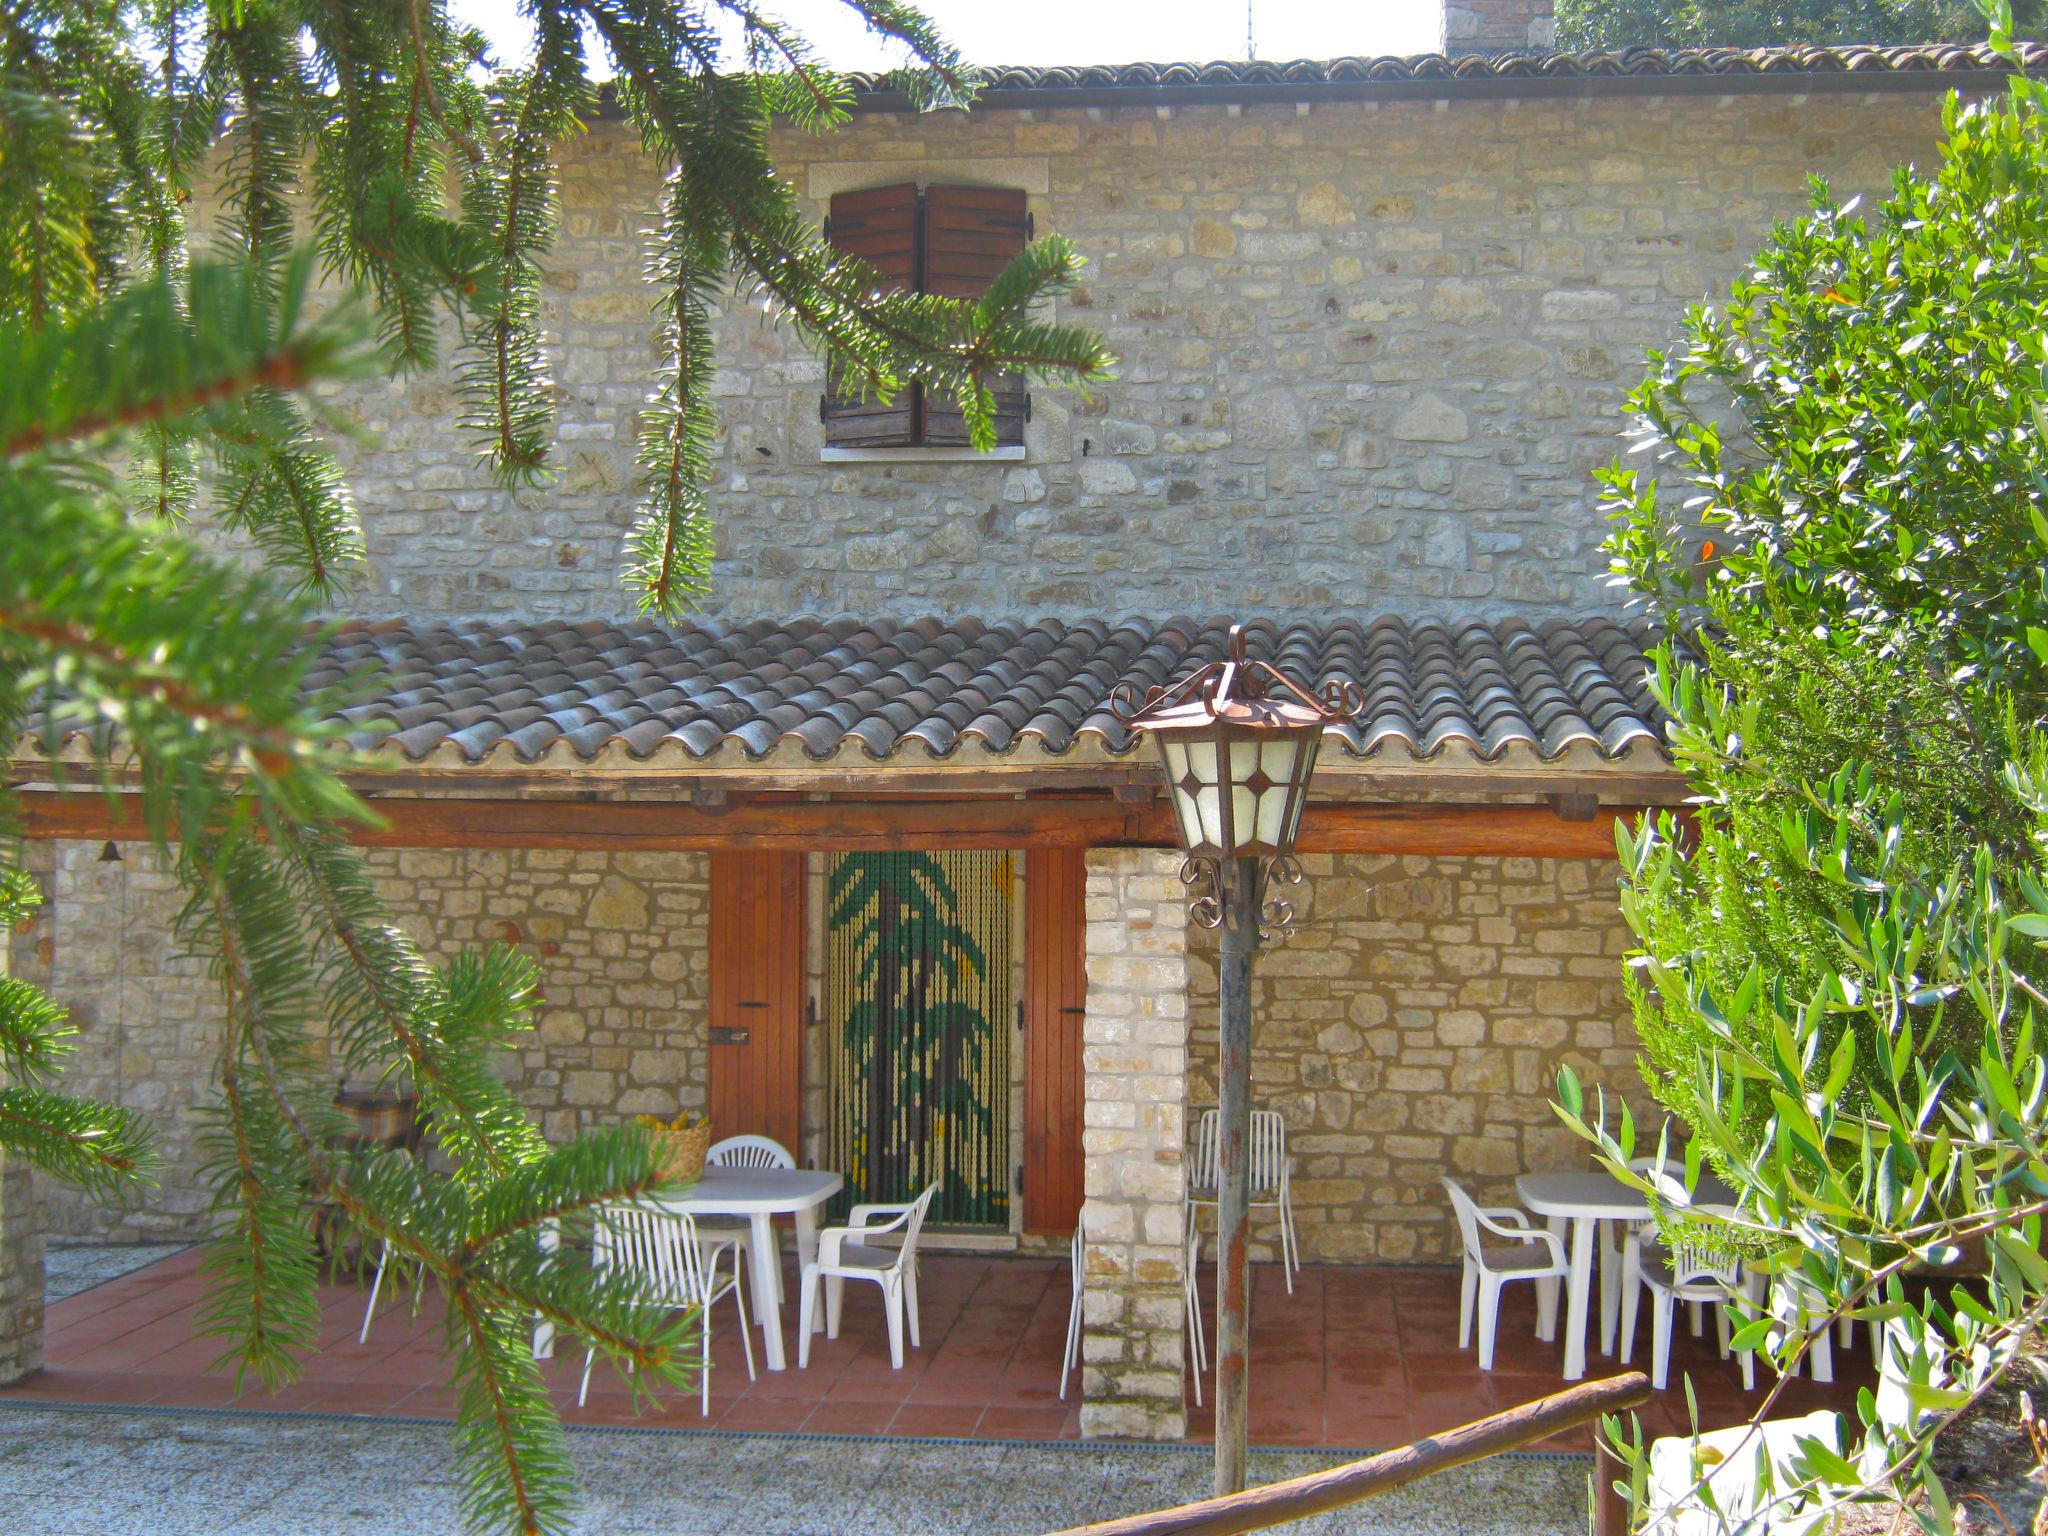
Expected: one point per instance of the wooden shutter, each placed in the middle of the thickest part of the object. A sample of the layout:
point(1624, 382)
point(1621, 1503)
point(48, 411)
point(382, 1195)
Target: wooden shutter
point(880, 226)
point(757, 996)
point(1055, 993)
point(970, 235)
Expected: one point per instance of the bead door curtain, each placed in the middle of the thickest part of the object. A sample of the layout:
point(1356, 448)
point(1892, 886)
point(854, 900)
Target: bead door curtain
point(918, 999)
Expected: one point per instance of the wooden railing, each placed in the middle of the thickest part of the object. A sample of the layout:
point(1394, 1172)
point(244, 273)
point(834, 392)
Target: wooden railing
point(1300, 1497)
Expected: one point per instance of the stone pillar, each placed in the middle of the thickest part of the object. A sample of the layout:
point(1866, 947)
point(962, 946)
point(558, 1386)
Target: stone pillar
point(1496, 26)
point(21, 1257)
point(1134, 1064)
point(21, 1273)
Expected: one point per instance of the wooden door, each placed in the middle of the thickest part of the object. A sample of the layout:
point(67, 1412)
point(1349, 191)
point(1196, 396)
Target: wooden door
point(1055, 995)
point(757, 996)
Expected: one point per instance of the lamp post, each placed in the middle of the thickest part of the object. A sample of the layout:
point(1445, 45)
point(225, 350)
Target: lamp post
point(1238, 740)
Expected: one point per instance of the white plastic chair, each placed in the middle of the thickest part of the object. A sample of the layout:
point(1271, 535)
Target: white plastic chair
point(1191, 1304)
point(1271, 1176)
point(1675, 1271)
point(1077, 1260)
point(1797, 1306)
point(1522, 1252)
point(377, 1285)
point(749, 1152)
point(664, 1248)
point(745, 1152)
point(1658, 1171)
point(844, 1253)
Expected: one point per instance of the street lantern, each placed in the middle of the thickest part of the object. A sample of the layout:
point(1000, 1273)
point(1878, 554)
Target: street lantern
point(1238, 741)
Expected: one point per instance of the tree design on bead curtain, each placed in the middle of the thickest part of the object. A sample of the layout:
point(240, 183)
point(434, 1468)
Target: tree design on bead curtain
point(921, 1061)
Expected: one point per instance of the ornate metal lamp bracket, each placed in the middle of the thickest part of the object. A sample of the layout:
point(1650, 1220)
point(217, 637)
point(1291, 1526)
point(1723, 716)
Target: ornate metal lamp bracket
point(1213, 904)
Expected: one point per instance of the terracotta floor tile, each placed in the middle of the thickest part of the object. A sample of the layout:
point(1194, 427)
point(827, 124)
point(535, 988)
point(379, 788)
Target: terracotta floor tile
point(767, 1414)
point(938, 1419)
point(1375, 1432)
point(850, 1418)
point(1003, 1423)
point(1355, 1358)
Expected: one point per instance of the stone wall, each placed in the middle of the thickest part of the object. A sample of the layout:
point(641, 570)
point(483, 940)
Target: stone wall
point(21, 1272)
point(1134, 1061)
point(1370, 354)
point(623, 944)
point(621, 940)
point(1413, 1027)
point(101, 944)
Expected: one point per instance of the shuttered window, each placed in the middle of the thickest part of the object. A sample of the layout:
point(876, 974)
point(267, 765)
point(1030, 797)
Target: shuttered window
point(944, 240)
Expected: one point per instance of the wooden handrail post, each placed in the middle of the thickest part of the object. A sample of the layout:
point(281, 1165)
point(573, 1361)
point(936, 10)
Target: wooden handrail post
point(1300, 1497)
point(1610, 1506)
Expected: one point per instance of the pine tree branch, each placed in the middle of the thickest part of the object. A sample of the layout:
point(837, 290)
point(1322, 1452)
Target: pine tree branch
point(98, 1147)
point(504, 1419)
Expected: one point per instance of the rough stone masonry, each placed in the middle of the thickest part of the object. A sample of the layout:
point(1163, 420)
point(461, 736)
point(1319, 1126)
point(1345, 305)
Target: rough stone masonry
point(1370, 355)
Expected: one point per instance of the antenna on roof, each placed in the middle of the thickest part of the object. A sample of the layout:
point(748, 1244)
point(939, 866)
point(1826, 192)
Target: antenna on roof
point(1250, 53)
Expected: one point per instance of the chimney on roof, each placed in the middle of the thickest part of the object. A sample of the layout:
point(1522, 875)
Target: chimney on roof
point(1496, 26)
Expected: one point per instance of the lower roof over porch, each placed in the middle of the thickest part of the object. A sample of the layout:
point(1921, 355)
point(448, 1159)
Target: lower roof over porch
point(1476, 737)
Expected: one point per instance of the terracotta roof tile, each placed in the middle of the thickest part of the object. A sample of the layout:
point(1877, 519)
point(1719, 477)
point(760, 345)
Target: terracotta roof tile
point(1503, 693)
point(1361, 75)
point(471, 690)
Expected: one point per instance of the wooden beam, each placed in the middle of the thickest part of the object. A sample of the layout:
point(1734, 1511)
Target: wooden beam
point(1529, 831)
point(1300, 1497)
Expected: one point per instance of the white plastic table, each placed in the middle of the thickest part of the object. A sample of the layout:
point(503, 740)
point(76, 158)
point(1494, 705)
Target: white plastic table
point(1582, 1201)
point(761, 1194)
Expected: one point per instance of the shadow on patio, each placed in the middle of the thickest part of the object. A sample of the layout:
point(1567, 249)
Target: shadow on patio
point(1358, 1358)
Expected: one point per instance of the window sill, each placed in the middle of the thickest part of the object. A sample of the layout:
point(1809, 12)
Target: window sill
point(1009, 453)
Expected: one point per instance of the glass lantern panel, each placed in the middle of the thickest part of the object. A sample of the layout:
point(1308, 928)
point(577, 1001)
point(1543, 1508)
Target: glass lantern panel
point(1244, 816)
point(1244, 760)
point(1176, 755)
point(1307, 768)
point(1277, 757)
point(1272, 826)
point(1185, 812)
point(1209, 808)
point(1202, 759)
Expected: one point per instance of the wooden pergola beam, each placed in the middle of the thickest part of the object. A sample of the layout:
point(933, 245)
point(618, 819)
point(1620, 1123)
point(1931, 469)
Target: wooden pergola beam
point(1532, 831)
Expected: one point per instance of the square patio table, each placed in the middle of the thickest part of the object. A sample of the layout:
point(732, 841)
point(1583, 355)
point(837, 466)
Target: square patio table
point(1582, 1201)
point(760, 1194)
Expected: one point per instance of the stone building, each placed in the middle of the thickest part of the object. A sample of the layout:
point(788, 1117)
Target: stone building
point(1375, 322)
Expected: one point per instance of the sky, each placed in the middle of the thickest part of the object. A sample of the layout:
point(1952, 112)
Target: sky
point(1084, 31)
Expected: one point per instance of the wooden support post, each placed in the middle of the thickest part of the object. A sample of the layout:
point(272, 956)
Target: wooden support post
point(1610, 1506)
point(1239, 942)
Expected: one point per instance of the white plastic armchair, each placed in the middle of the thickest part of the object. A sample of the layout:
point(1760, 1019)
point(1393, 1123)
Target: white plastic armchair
point(1673, 1269)
point(1500, 1245)
point(1664, 1174)
point(847, 1253)
point(749, 1152)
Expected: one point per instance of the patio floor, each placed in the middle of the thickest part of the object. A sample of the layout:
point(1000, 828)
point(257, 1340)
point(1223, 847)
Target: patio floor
point(1355, 1358)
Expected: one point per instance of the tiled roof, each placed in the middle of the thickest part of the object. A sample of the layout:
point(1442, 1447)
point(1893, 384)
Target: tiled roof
point(1868, 63)
point(805, 692)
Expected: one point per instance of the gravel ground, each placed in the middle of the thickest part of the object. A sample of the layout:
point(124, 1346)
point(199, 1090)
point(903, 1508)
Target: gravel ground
point(129, 1472)
point(73, 1268)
